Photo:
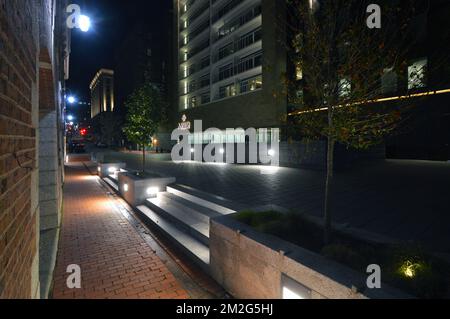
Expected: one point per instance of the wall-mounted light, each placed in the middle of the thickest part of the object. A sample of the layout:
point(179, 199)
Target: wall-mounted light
point(192, 150)
point(272, 153)
point(125, 187)
point(291, 289)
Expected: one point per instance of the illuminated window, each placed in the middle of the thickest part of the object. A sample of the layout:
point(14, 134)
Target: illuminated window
point(227, 91)
point(251, 84)
point(298, 72)
point(417, 74)
point(345, 88)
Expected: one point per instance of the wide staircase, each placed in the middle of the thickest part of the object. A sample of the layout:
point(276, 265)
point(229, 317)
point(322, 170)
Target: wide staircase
point(183, 214)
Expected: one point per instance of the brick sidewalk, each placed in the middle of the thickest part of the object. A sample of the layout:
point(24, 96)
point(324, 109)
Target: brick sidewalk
point(115, 260)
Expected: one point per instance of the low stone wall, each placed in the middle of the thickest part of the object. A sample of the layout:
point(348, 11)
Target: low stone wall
point(251, 265)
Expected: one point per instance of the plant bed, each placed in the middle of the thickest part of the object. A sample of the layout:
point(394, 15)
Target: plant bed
point(136, 187)
point(405, 266)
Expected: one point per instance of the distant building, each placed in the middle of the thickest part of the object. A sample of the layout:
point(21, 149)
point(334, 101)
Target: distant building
point(145, 55)
point(102, 92)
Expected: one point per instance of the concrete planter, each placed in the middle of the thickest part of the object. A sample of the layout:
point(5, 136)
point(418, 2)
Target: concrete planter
point(106, 169)
point(253, 265)
point(135, 190)
point(98, 157)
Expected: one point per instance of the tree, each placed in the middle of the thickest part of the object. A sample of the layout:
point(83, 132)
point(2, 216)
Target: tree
point(146, 111)
point(342, 68)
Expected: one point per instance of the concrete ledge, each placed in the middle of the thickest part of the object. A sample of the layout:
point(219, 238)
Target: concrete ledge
point(106, 169)
point(135, 190)
point(252, 265)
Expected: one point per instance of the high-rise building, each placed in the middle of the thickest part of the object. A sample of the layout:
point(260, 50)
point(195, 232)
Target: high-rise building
point(230, 63)
point(102, 92)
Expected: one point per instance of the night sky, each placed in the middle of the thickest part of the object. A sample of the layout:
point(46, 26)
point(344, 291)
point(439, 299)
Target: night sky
point(91, 51)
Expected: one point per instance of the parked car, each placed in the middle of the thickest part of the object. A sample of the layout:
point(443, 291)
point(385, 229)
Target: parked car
point(76, 147)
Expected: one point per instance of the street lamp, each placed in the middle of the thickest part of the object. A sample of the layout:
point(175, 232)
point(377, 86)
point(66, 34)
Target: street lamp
point(84, 23)
point(71, 99)
point(70, 117)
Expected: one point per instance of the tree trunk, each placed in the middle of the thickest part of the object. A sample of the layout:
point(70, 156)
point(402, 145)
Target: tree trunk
point(143, 159)
point(328, 190)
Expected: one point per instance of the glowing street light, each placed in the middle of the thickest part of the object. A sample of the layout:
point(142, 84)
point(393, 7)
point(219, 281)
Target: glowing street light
point(84, 23)
point(71, 99)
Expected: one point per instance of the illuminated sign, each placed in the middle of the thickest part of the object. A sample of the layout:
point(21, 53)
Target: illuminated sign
point(184, 125)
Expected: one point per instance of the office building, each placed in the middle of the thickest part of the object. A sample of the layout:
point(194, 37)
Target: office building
point(229, 64)
point(102, 92)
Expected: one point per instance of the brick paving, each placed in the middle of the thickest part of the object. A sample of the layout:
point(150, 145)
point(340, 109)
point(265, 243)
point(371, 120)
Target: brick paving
point(115, 261)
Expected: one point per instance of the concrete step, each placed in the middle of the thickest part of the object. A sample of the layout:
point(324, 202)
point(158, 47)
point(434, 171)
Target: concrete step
point(202, 212)
point(194, 248)
point(114, 178)
point(183, 217)
point(111, 183)
point(212, 202)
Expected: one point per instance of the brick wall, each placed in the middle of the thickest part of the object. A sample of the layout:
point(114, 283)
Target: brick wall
point(18, 210)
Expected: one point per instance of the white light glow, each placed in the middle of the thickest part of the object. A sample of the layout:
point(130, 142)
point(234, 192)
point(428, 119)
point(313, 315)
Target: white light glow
point(222, 151)
point(192, 150)
point(289, 294)
point(84, 23)
point(112, 169)
point(71, 99)
point(152, 191)
point(272, 153)
point(125, 187)
point(70, 117)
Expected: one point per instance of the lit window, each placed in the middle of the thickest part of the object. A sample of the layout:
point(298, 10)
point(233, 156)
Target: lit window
point(345, 88)
point(298, 72)
point(185, 41)
point(416, 74)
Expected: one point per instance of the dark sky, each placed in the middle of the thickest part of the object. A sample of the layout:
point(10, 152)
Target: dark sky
point(91, 51)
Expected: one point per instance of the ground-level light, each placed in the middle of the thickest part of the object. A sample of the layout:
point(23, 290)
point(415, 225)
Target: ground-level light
point(152, 191)
point(112, 169)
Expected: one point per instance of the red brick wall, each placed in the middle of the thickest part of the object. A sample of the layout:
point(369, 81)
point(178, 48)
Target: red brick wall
point(17, 145)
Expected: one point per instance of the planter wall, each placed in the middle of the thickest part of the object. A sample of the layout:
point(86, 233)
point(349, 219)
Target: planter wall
point(252, 265)
point(135, 189)
point(106, 169)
